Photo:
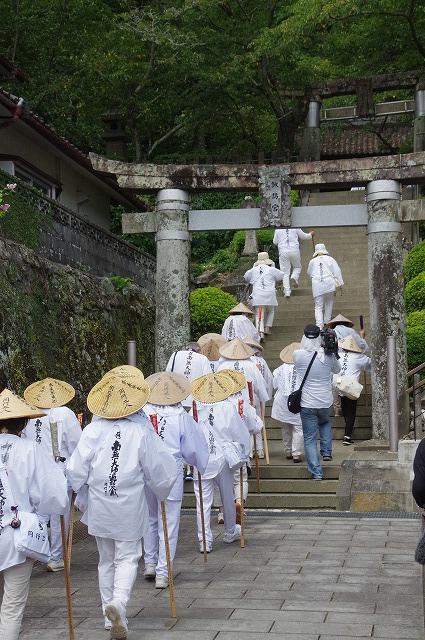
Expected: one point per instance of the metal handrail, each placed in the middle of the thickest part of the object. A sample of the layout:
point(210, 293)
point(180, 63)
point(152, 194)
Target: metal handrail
point(418, 383)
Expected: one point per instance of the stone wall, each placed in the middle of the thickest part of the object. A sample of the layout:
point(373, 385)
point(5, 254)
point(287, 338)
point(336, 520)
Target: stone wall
point(58, 321)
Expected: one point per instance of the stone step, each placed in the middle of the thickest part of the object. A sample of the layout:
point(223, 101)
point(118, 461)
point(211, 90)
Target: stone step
point(304, 501)
point(362, 431)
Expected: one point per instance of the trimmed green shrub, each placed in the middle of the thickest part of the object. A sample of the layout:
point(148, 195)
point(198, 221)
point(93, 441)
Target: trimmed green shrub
point(415, 261)
point(414, 294)
point(415, 337)
point(209, 308)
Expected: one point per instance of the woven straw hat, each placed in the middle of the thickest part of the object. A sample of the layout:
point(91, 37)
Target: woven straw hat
point(349, 343)
point(211, 336)
point(116, 397)
point(49, 393)
point(167, 388)
point(212, 388)
point(254, 344)
point(237, 377)
point(320, 248)
point(339, 319)
point(287, 352)
point(126, 371)
point(211, 349)
point(263, 258)
point(12, 406)
point(241, 308)
point(236, 350)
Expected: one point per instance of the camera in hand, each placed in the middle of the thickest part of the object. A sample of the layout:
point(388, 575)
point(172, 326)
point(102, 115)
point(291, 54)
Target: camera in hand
point(330, 342)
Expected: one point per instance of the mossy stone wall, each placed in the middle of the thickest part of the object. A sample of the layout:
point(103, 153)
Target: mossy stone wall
point(60, 322)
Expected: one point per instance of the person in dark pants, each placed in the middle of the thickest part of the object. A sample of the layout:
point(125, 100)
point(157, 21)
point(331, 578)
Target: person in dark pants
point(418, 484)
point(353, 362)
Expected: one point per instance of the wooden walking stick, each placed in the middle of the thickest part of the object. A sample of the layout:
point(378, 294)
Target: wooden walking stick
point(71, 527)
point(257, 468)
point(240, 411)
point(201, 500)
point(266, 444)
point(312, 240)
point(67, 578)
point(169, 567)
point(154, 420)
point(364, 372)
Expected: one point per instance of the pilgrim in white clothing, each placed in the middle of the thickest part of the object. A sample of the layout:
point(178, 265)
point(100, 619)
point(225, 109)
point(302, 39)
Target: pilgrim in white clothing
point(263, 277)
point(221, 423)
point(186, 441)
point(264, 369)
point(288, 246)
point(238, 325)
point(353, 362)
point(37, 485)
point(190, 363)
point(285, 382)
point(52, 392)
point(323, 270)
point(118, 455)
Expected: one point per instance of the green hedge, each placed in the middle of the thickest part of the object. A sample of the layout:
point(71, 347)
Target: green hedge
point(209, 308)
point(415, 337)
point(414, 293)
point(415, 261)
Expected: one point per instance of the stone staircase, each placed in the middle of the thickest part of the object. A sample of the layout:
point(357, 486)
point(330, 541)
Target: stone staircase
point(283, 484)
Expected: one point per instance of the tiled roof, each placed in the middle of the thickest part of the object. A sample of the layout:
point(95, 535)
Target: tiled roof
point(345, 141)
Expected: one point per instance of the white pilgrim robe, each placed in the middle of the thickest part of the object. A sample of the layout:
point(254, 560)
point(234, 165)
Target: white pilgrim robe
point(322, 270)
point(285, 382)
point(116, 459)
point(252, 374)
point(239, 326)
point(352, 364)
point(263, 280)
point(189, 364)
point(37, 485)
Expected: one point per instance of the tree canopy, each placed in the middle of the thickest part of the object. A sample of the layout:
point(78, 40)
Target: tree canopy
point(200, 77)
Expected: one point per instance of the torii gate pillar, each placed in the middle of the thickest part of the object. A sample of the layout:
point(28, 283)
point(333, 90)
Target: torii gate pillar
point(386, 301)
point(172, 275)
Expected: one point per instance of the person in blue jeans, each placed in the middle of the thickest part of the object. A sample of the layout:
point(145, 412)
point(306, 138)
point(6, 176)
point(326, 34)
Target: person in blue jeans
point(316, 399)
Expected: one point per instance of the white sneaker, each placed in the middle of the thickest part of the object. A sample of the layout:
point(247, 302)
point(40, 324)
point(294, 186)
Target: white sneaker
point(150, 571)
point(294, 283)
point(161, 582)
point(55, 565)
point(208, 545)
point(114, 611)
point(232, 537)
point(220, 518)
point(260, 453)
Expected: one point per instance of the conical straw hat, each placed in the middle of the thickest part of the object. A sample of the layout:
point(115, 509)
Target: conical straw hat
point(254, 344)
point(212, 388)
point(241, 308)
point(12, 406)
point(287, 352)
point(236, 350)
point(115, 397)
point(167, 388)
point(49, 393)
point(238, 378)
point(349, 343)
point(211, 350)
point(339, 319)
point(126, 371)
point(211, 336)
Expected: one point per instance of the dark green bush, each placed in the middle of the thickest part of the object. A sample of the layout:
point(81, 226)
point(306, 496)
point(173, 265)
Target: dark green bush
point(414, 293)
point(415, 261)
point(415, 337)
point(209, 308)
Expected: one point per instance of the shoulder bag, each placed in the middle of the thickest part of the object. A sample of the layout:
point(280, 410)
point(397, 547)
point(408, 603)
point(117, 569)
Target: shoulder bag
point(29, 530)
point(349, 387)
point(294, 398)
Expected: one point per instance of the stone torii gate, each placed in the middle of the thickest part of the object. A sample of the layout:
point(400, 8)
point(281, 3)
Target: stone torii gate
point(383, 214)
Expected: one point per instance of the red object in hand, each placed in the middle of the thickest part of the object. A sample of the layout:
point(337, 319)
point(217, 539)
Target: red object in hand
point(195, 411)
point(240, 407)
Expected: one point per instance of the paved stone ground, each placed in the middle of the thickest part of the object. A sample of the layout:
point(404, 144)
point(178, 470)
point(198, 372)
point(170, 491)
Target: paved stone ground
point(314, 576)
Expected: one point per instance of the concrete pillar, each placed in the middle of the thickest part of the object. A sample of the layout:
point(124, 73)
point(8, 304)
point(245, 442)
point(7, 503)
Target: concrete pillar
point(312, 145)
point(172, 274)
point(386, 300)
point(419, 122)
